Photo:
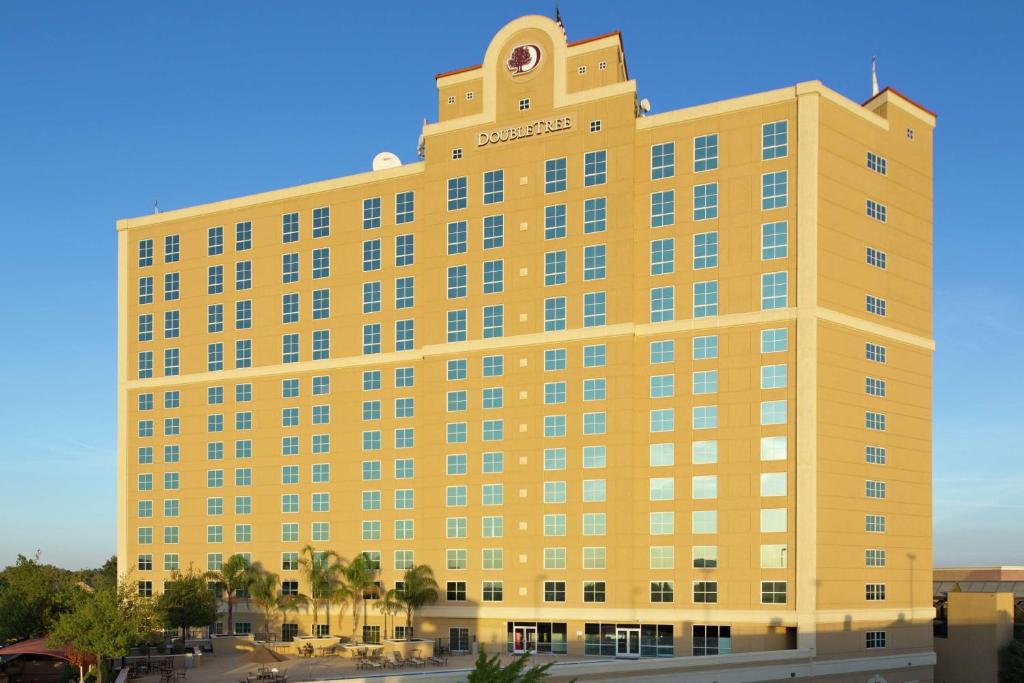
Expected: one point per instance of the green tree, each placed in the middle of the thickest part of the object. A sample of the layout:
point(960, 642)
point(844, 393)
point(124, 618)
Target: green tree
point(264, 592)
point(319, 570)
point(105, 623)
point(234, 578)
point(32, 598)
point(187, 602)
point(419, 589)
point(490, 670)
point(1011, 663)
point(291, 603)
point(361, 584)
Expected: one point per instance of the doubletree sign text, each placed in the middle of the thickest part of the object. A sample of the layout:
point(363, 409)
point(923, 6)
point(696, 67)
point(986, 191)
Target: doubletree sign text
point(527, 130)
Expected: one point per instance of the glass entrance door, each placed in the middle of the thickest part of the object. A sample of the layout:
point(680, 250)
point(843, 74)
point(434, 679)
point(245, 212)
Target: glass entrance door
point(627, 642)
point(524, 639)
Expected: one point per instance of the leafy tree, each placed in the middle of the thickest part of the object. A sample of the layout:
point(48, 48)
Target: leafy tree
point(419, 589)
point(1011, 663)
point(360, 582)
point(291, 603)
point(264, 592)
point(320, 569)
point(32, 598)
point(187, 602)
point(490, 670)
point(234, 578)
point(105, 623)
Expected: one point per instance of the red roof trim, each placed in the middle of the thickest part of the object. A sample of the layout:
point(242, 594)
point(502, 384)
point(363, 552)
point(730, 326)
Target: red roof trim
point(897, 92)
point(572, 44)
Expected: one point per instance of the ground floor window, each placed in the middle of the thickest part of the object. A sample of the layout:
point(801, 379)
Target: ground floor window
point(371, 634)
point(711, 640)
point(458, 639)
point(289, 631)
point(537, 636)
point(614, 640)
point(322, 630)
point(403, 632)
point(243, 627)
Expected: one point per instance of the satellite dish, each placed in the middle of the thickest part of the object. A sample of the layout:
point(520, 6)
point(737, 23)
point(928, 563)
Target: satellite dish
point(645, 105)
point(386, 160)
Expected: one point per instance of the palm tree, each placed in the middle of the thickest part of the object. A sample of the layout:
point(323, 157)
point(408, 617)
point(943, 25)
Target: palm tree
point(361, 581)
point(264, 592)
point(321, 569)
point(234, 577)
point(388, 604)
point(419, 589)
point(291, 603)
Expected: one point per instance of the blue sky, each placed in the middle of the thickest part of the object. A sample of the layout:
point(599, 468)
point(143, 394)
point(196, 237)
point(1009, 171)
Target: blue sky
point(106, 106)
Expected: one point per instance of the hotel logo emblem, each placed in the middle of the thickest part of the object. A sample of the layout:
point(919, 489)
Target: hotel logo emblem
point(523, 59)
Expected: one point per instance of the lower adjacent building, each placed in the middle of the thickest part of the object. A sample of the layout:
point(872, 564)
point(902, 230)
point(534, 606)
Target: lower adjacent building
point(633, 384)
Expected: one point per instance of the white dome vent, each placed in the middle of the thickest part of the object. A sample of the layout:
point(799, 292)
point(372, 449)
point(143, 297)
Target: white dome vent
point(386, 160)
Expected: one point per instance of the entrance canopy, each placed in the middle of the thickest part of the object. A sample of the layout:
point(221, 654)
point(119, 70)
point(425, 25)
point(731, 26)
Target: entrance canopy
point(36, 646)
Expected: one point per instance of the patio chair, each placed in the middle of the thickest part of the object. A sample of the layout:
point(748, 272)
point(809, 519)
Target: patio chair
point(415, 659)
point(397, 661)
point(438, 661)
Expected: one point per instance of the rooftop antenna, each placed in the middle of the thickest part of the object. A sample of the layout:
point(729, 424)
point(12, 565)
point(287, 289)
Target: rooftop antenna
point(874, 76)
point(156, 206)
point(558, 21)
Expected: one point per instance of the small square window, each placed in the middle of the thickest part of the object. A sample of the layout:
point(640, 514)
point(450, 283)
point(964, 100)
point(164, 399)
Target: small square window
point(457, 153)
point(524, 104)
point(469, 95)
point(451, 99)
point(582, 70)
point(910, 133)
point(595, 125)
point(601, 66)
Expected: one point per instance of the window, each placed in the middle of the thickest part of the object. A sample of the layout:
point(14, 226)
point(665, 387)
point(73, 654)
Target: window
point(405, 251)
point(456, 369)
point(554, 175)
point(457, 192)
point(876, 211)
point(456, 559)
point(594, 389)
point(371, 338)
point(554, 591)
point(243, 315)
point(554, 558)
point(457, 238)
point(774, 341)
point(215, 241)
point(594, 262)
point(595, 356)
point(456, 151)
point(215, 356)
point(663, 160)
point(705, 201)
point(705, 250)
point(705, 299)
point(874, 640)
point(493, 463)
point(773, 484)
point(876, 163)
point(494, 231)
point(774, 290)
point(290, 348)
point(554, 221)
point(494, 277)
point(874, 352)
point(663, 256)
point(595, 215)
point(322, 304)
point(593, 591)
point(243, 355)
point(663, 208)
point(554, 359)
point(773, 592)
point(322, 222)
point(874, 557)
point(595, 125)
point(554, 426)
point(290, 308)
point(594, 491)
point(146, 290)
point(172, 249)
point(705, 153)
point(554, 314)
point(492, 591)
point(595, 168)
point(595, 557)
point(876, 258)
point(554, 268)
point(875, 305)
point(404, 336)
point(773, 520)
point(662, 420)
point(874, 455)
point(874, 591)
point(172, 289)
point(554, 459)
point(774, 140)
point(663, 352)
point(214, 280)
point(494, 366)
point(322, 262)
point(146, 327)
point(371, 297)
point(494, 182)
point(874, 421)
point(594, 309)
point(774, 240)
point(773, 190)
point(874, 489)
point(662, 307)
point(289, 268)
point(874, 387)
point(524, 104)
point(661, 557)
point(371, 213)
point(874, 524)
point(705, 591)
point(243, 236)
point(457, 325)
point(404, 207)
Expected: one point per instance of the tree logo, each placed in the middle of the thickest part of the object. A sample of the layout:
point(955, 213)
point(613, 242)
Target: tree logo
point(523, 59)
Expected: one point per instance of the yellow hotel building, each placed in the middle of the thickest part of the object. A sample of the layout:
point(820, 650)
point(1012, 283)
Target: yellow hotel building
point(632, 384)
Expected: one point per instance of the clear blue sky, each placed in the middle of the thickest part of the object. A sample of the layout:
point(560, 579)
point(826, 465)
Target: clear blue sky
point(104, 106)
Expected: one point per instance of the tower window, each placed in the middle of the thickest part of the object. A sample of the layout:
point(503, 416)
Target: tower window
point(601, 66)
point(469, 95)
point(456, 153)
point(524, 104)
point(595, 125)
point(582, 70)
point(451, 99)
